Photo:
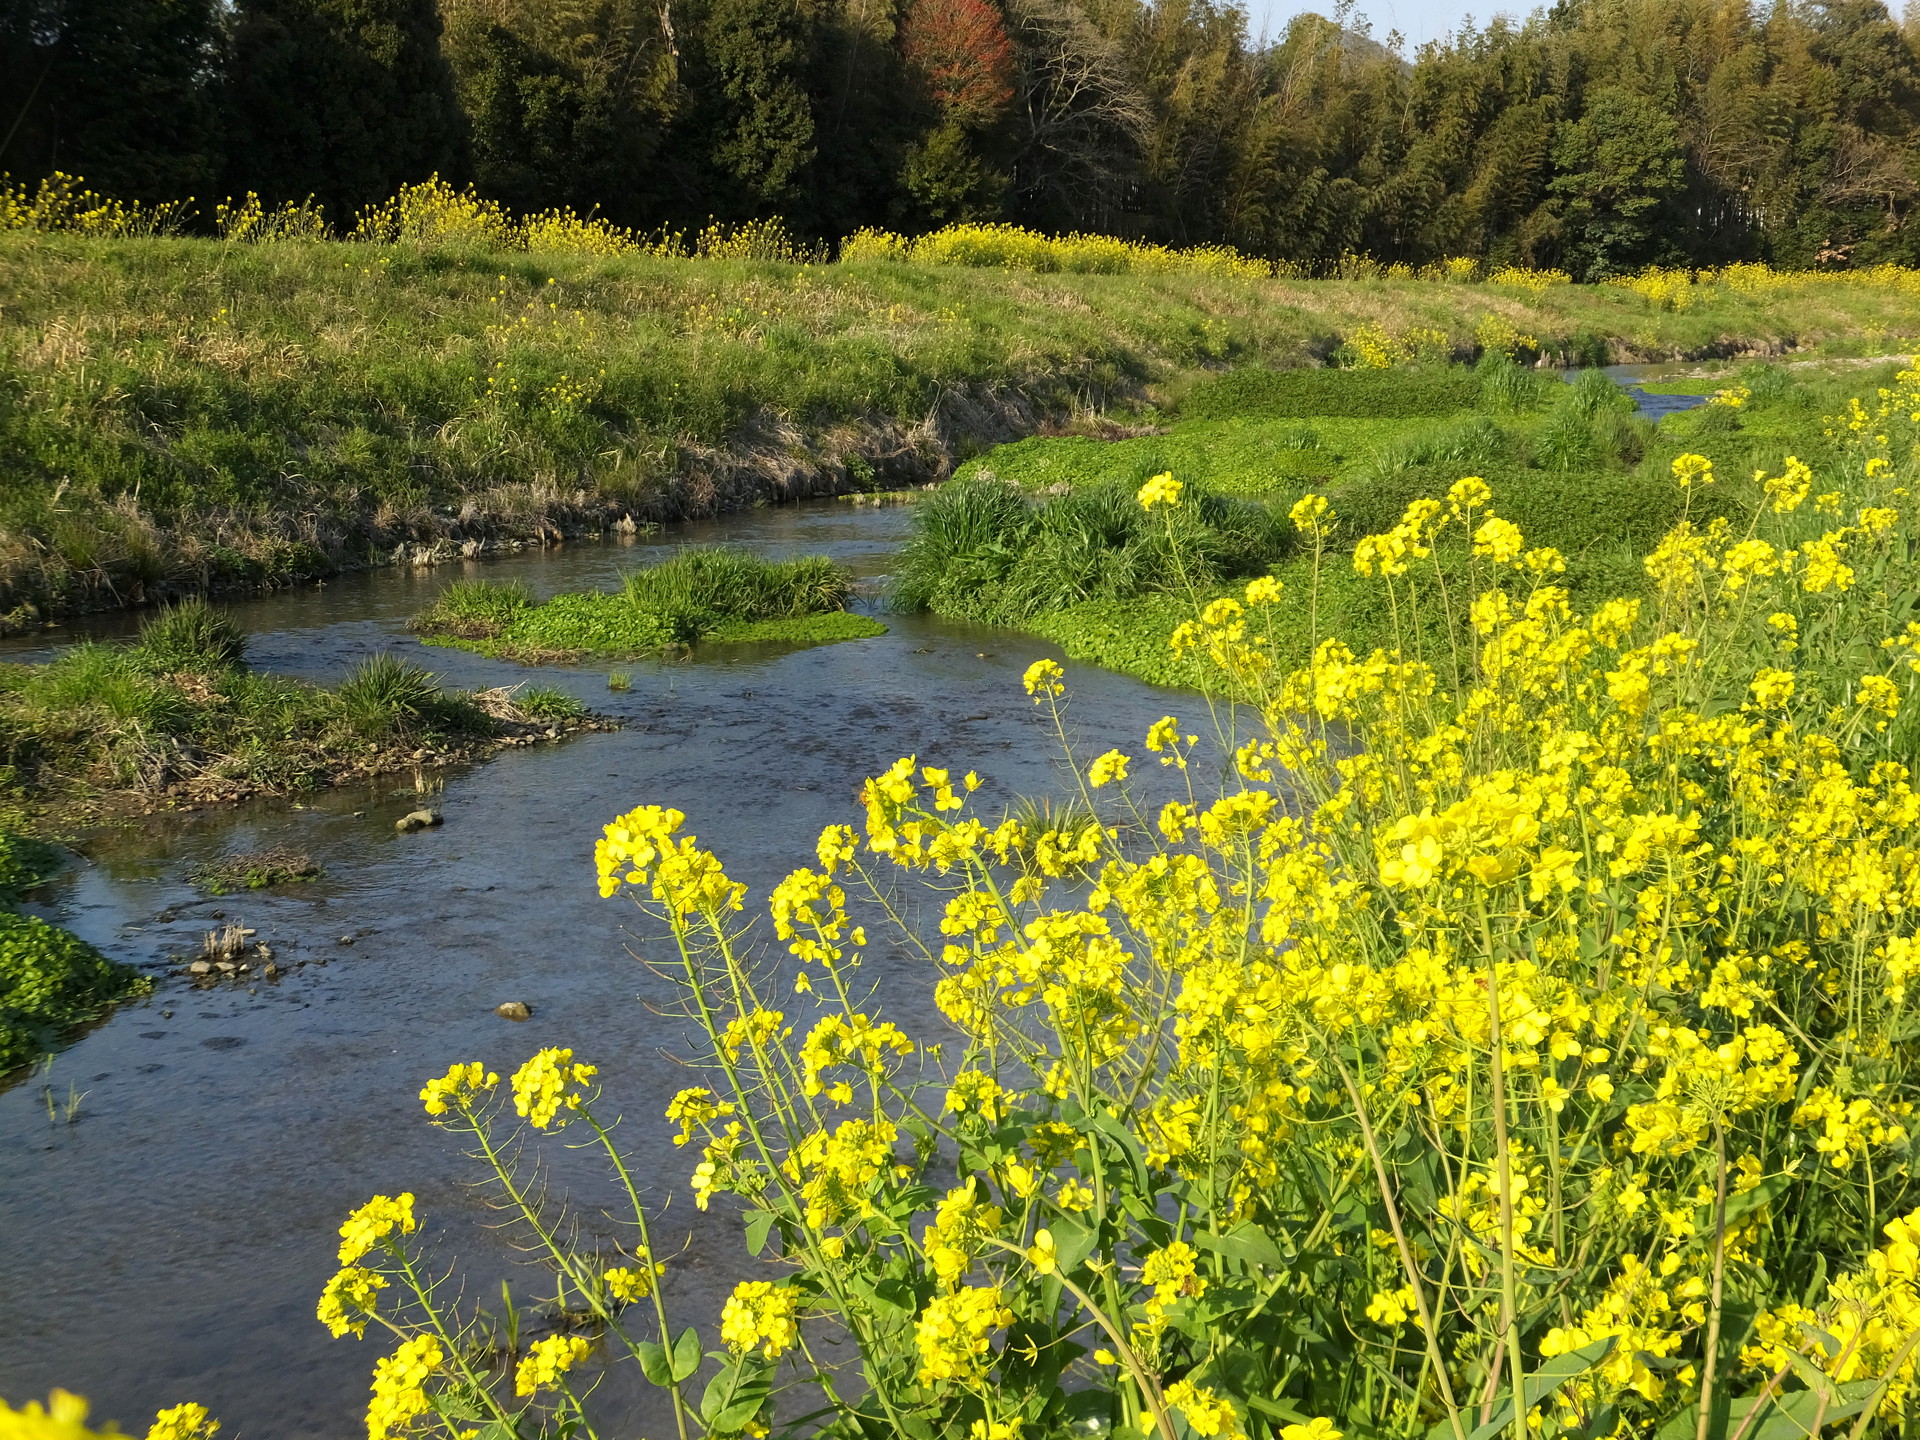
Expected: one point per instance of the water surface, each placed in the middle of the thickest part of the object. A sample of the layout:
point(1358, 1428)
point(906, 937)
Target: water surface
point(170, 1243)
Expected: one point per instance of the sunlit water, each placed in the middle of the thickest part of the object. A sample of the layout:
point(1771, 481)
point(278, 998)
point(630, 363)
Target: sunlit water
point(170, 1243)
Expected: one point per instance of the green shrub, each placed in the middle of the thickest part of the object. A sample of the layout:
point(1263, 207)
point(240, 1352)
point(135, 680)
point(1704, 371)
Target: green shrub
point(1508, 388)
point(697, 594)
point(24, 863)
point(109, 682)
point(191, 635)
point(1464, 445)
point(730, 584)
point(385, 696)
point(1302, 394)
point(50, 981)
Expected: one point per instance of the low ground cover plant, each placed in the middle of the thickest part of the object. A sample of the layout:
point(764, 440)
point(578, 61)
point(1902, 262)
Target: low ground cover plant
point(709, 595)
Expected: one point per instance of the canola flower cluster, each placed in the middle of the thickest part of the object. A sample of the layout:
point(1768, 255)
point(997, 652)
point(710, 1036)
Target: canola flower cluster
point(1560, 976)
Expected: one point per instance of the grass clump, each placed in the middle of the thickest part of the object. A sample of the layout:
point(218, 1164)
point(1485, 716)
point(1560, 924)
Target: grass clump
point(191, 635)
point(700, 594)
point(982, 550)
point(255, 870)
point(385, 696)
point(51, 981)
point(106, 720)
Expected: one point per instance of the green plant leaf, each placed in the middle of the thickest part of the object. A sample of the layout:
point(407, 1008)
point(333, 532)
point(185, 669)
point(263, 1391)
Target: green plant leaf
point(654, 1363)
point(1792, 1416)
point(1248, 1244)
point(759, 1224)
point(686, 1354)
point(1541, 1386)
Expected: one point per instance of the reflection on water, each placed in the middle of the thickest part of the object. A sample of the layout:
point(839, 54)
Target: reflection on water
point(170, 1243)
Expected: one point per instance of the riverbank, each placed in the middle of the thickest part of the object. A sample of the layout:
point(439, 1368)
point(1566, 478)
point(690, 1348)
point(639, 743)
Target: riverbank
point(177, 720)
point(191, 415)
point(1045, 535)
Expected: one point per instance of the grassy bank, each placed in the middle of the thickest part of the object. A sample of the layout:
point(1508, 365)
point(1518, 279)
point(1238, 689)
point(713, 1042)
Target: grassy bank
point(700, 596)
point(179, 719)
point(1571, 465)
point(182, 414)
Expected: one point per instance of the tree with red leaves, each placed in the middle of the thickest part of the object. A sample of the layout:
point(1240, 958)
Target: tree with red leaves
point(960, 50)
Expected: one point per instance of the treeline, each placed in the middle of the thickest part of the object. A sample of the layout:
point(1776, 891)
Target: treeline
point(1598, 136)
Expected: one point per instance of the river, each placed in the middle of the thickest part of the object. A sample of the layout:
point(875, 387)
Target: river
point(170, 1243)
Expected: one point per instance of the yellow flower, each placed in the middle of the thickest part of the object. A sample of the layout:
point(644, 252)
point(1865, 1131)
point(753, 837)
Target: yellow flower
point(368, 1226)
point(1469, 493)
point(1498, 540)
point(543, 1087)
point(181, 1422)
point(1772, 689)
point(1206, 1413)
point(349, 1300)
point(627, 1283)
point(1162, 489)
point(1391, 1307)
point(1044, 678)
point(1311, 514)
point(1043, 1255)
point(458, 1088)
point(1316, 1429)
point(1692, 469)
point(63, 1417)
point(1266, 590)
point(954, 1333)
point(761, 1313)
point(1110, 766)
point(546, 1361)
point(399, 1385)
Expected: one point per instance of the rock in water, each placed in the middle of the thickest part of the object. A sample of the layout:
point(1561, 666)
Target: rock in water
point(514, 1010)
point(417, 820)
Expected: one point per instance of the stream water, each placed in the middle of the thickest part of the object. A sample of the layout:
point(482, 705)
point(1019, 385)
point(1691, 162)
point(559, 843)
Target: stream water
point(169, 1243)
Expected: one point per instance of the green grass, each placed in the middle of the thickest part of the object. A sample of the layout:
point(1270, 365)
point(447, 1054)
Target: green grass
point(179, 414)
point(155, 720)
point(255, 870)
point(699, 596)
point(1574, 468)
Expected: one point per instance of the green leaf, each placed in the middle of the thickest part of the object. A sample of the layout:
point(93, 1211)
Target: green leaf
point(1248, 1244)
point(735, 1395)
point(686, 1354)
point(1541, 1386)
point(1793, 1415)
point(1073, 1241)
point(654, 1363)
point(759, 1224)
point(1767, 1191)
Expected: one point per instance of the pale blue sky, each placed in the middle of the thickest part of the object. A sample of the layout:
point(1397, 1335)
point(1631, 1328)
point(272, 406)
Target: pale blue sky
point(1418, 20)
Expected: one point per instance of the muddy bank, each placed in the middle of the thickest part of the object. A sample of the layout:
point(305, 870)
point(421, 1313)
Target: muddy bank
point(771, 461)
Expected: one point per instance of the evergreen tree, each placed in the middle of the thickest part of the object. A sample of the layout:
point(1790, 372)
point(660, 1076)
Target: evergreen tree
point(567, 100)
point(344, 100)
point(115, 91)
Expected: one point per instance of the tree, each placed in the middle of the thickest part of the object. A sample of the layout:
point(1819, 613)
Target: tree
point(755, 119)
point(959, 51)
point(566, 100)
point(116, 91)
point(345, 100)
point(1617, 162)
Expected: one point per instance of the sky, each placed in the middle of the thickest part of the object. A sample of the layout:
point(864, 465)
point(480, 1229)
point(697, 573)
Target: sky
point(1418, 20)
